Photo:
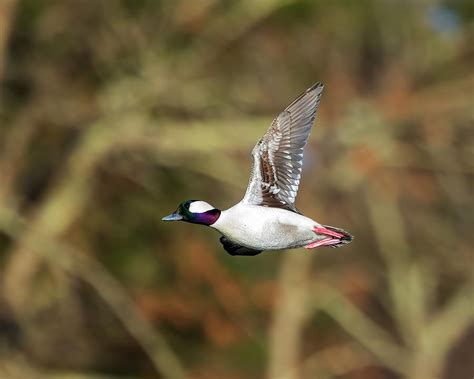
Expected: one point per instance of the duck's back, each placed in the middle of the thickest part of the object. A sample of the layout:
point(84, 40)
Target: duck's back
point(265, 228)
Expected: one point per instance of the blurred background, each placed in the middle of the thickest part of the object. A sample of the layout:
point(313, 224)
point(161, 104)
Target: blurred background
point(113, 112)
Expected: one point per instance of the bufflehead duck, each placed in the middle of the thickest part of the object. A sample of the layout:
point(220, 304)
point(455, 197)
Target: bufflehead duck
point(266, 218)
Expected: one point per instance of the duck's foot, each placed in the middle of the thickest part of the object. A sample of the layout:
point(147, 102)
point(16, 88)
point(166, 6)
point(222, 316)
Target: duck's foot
point(335, 237)
point(324, 242)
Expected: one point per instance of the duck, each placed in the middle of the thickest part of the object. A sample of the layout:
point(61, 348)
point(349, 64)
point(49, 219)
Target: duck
point(266, 219)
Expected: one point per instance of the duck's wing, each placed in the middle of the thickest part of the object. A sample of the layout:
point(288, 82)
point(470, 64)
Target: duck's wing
point(278, 156)
point(236, 249)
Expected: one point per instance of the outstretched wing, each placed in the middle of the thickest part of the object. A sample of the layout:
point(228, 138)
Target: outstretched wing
point(278, 156)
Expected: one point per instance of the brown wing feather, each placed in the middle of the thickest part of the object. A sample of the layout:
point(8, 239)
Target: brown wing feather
point(278, 156)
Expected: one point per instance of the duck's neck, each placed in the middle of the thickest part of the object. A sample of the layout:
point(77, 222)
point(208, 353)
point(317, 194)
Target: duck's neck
point(207, 218)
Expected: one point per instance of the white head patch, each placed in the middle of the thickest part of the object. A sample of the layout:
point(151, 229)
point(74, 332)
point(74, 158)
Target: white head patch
point(200, 207)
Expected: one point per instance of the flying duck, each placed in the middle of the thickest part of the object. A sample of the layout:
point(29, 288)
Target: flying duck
point(266, 218)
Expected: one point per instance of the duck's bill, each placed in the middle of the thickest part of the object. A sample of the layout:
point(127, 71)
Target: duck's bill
point(173, 217)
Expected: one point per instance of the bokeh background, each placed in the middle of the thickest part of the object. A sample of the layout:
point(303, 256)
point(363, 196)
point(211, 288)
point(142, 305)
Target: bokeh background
point(113, 112)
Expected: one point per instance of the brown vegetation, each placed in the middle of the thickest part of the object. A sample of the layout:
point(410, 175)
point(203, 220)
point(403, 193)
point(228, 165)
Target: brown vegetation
point(112, 112)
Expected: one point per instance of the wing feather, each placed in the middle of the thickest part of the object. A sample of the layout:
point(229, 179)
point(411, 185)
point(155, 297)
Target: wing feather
point(278, 156)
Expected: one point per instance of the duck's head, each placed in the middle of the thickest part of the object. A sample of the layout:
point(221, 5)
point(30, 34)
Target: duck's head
point(195, 211)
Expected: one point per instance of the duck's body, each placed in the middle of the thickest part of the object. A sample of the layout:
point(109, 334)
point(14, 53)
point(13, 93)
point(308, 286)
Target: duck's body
point(266, 218)
point(265, 228)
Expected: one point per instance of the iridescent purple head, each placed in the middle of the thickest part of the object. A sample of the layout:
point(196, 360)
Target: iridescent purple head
point(195, 211)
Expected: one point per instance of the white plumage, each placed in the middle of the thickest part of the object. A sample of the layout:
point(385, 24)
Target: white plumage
point(199, 206)
point(265, 228)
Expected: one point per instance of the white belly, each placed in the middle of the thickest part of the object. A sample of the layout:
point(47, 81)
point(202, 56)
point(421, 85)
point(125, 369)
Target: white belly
point(265, 228)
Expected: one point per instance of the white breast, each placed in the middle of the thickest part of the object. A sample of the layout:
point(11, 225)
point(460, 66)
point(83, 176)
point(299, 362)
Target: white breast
point(265, 228)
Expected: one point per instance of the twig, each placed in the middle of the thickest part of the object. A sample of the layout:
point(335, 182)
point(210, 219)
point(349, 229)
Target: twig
point(289, 316)
point(373, 337)
point(90, 271)
point(7, 14)
point(113, 293)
